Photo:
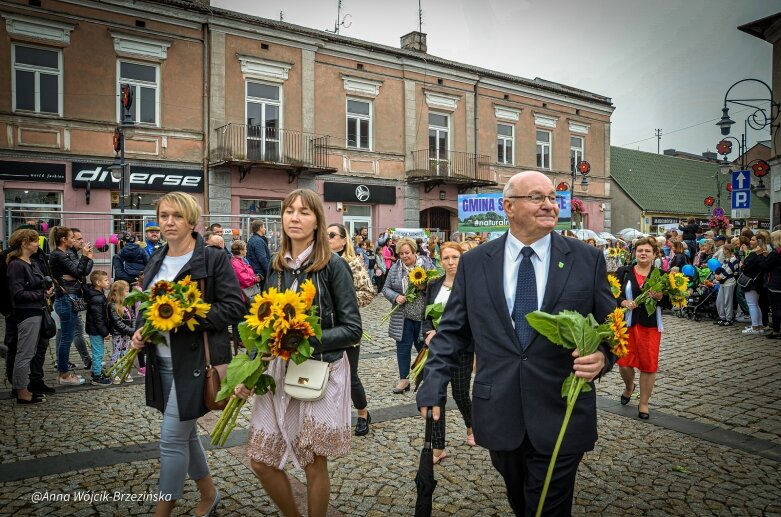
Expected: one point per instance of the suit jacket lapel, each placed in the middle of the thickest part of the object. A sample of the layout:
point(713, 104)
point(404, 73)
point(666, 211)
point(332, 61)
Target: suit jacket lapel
point(494, 275)
point(558, 271)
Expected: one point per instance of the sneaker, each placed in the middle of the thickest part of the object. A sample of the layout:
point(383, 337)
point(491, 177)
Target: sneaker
point(88, 364)
point(100, 380)
point(142, 371)
point(743, 319)
point(726, 323)
point(718, 321)
point(116, 380)
point(129, 379)
point(70, 380)
point(754, 332)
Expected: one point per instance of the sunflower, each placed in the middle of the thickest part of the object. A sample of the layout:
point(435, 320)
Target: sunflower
point(417, 276)
point(612, 252)
point(187, 282)
point(286, 342)
point(290, 304)
point(199, 309)
point(191, 294)
point(161, 288)
point(263, 310)
point(615, 285)
point(620, 337)
point(308, 292)
point(165, 313)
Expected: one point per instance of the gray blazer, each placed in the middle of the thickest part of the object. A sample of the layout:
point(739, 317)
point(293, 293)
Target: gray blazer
point(518, 393)
point(393, 288)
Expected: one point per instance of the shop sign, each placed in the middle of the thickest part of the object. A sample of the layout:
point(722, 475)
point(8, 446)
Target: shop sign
point(142, 177)
point(359, 193)
point(32, 171)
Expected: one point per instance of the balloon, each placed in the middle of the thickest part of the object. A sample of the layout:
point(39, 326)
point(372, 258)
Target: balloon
point(113, 238)
point(44, 227)
point(688, 270)
point(101, 244)
point(713, 264)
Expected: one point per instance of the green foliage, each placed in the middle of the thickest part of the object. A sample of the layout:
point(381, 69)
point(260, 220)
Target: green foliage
point(569, 329)
point(434, 311)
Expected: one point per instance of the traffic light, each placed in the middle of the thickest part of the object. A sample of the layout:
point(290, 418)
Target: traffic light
point(126, 99)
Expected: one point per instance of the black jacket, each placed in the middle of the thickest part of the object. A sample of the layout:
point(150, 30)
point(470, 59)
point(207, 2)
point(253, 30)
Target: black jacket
point(68, 263)
point(118, 325)
point(772, 266)
point(340, 318)
point(432, 290)
point(689, 231)
point(679, 260)
point(25, 285)
point(639, 315)
point(97, 323)
point(187, 348)
point(752, 266)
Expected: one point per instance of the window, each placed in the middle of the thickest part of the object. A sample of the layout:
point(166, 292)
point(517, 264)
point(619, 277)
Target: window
point(144, 80)
point(263, 122)
point(438, 143)
point(37, 80)
point(359, 124)
point(31, 207)
point(543, 149)
point(505, 136)
point(575, 152)
point(260, 207)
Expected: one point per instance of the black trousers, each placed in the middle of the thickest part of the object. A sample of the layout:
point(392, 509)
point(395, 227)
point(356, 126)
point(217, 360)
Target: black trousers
point(524, 471)
point(36, 364)
point(775, 305)
point(357, 393)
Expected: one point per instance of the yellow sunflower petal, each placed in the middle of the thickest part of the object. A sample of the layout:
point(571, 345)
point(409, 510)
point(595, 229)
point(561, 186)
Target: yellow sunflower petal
point(165, 314)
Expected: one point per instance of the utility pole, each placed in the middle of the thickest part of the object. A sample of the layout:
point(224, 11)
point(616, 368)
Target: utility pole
point(420, 17)
point(658, 133)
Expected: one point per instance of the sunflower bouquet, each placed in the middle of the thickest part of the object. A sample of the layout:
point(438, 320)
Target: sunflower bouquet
point(418, 280)
point(165, 306)
point(570, 330)
point(434, 311)
point(279, 324)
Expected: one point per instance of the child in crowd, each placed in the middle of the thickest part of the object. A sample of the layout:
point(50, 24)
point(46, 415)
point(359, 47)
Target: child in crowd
point(121, 323)
point(131, 259)
point(97, 324)
point(726, 275)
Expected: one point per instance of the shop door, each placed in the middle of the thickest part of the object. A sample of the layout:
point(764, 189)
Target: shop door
point(436, 217)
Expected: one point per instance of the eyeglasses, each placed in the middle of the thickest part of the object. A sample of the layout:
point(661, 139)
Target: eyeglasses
point(331, 235)
point(536, 199)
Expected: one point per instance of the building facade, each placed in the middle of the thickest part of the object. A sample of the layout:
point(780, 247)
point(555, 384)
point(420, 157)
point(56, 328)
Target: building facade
point(241, 110)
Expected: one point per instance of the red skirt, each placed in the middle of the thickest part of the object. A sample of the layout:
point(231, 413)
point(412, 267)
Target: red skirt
point(642, 349)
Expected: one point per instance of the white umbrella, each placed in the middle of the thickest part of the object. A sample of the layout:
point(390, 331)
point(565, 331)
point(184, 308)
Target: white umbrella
point(587, 234)
point(607, 236)
point(629, 234)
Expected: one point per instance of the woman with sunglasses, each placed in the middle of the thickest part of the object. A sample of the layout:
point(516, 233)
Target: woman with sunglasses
point(364, 292)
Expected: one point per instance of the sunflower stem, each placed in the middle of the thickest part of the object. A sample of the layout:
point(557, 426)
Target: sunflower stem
point(232, 425)
point(572, 397)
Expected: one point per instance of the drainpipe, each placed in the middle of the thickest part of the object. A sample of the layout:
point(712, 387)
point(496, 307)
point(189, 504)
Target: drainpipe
point(206, 115)
point(477, 133)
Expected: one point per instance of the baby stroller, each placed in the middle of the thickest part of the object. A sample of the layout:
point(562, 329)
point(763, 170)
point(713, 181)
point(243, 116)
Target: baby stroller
point(702, 300)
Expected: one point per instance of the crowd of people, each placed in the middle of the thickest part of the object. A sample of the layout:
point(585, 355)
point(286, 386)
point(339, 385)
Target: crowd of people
point(515, 405)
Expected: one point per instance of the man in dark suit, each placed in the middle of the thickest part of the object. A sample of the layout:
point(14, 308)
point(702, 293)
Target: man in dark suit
point(517, 403)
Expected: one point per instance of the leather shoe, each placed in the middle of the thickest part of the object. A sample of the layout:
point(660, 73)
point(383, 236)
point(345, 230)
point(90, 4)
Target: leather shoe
point(213, 507)
point(41, 388)
point(397, 391)
point(643, 416)
point(625, 400)
point(362, 425)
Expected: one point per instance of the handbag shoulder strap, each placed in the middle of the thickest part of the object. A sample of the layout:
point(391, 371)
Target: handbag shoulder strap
point(205, 335)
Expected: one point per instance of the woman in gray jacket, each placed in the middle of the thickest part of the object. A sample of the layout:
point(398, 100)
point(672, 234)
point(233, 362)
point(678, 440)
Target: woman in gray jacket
point(404, 324)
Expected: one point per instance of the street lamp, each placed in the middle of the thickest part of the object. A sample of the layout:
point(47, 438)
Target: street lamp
point(119, 169)
point(758, 120)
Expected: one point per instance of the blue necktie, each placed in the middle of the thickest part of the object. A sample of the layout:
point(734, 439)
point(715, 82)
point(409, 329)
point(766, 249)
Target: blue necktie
point(525, 297)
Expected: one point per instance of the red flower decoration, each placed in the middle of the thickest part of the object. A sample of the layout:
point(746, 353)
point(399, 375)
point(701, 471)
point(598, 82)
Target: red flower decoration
point(709, 201)
point(761, 168)
point(562, 187)
point(729, 187)
point(724, 147)
point(584, 167)
point(577, 206)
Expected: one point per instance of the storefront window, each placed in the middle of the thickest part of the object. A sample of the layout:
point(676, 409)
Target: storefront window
point(33, 207)
point(261, 207)
point(140, 208)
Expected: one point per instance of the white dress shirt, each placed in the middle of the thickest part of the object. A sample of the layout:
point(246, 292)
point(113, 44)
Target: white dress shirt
point(512, 260)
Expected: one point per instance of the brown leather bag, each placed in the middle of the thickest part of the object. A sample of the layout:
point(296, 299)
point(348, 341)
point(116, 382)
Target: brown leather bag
point(214, 375)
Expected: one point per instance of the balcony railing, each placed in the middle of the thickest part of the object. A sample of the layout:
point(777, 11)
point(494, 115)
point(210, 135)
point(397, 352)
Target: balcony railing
point(467, 169)
point(246, 144)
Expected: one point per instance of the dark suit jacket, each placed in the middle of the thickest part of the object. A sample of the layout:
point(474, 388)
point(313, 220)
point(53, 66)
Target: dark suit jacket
point(518, 393)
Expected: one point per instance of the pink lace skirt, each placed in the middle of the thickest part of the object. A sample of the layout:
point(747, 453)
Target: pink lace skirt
point(282, 427)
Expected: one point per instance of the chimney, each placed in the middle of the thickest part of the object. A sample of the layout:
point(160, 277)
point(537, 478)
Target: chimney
point(710, 155)
point(414, 41)
point(669, 152)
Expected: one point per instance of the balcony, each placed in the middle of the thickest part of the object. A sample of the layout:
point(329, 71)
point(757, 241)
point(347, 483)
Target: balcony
point(248, 146)
point(435, 167)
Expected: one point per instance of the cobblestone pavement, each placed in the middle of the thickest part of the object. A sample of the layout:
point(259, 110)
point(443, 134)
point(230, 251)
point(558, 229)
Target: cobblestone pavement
point(711, 447)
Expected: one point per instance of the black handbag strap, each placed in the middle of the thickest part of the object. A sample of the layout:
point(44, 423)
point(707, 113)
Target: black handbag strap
point(429, 429)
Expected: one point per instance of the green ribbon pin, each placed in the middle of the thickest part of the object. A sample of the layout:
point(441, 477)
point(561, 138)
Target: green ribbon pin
point(561, 265)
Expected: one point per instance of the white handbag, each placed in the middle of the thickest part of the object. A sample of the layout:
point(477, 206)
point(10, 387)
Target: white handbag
point(306, 381)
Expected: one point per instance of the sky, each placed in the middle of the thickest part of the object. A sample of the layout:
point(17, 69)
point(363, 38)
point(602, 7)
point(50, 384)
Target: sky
point(666, 64)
